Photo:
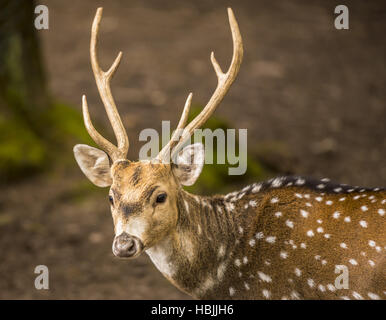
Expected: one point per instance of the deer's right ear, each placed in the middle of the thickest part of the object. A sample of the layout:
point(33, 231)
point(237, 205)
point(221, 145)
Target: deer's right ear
point(189, 164)
point(94, 163)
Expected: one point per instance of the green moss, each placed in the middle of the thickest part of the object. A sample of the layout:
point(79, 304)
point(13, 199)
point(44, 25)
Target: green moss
point(25, 150)
point(21, 151)
point(215, 177)
point(66, 124)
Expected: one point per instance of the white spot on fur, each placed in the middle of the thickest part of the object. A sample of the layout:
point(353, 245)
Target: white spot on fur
point(363, 223)
point(304, 213)
point(274, 200)
point(283, 255)
point(373, 296)
point(353, 262)
point(310, 233)
point(221, 251)
point(264, 277)
point(276, 182)
point(186, 206)
point(253, 203)
point(207, 285)
point(221, 271)
point(266, 293)
point(270, 239)
point(336, 215)
point(289, 224)
point(259, 235)
point(331, 287)
point(356, 295)
point(347, 219)
point(364, 208)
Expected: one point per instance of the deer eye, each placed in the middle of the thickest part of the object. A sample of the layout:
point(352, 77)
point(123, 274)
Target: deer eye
point(111, 200)
point(161, 198)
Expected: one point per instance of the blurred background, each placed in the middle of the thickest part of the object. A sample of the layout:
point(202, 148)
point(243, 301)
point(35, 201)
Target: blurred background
point(312, 98)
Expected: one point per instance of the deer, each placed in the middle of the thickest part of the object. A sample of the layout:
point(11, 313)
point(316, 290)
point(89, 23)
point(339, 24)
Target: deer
point(279, 239)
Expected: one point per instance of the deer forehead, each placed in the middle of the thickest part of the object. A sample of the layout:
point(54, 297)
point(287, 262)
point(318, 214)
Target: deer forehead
point(136, 180)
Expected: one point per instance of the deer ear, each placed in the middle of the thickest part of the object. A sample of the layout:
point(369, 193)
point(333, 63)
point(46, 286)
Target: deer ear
point(94, 163)
point(189, 163)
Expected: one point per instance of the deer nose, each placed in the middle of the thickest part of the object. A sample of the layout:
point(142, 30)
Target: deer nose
point(126, 246)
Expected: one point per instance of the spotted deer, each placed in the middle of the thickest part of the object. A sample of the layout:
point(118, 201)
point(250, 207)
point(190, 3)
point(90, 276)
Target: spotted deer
point(279, 239)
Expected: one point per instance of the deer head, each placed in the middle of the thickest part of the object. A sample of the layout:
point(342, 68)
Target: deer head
point(143, 195)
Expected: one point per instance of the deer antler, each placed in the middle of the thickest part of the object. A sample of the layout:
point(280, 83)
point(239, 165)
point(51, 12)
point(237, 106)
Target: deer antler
point(224, 82)
point(102, 79)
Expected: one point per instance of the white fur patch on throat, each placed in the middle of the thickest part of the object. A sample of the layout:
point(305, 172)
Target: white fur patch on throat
point(160, 255)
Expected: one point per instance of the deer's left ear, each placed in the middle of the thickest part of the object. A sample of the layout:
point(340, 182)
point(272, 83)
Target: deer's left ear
point(189, 163)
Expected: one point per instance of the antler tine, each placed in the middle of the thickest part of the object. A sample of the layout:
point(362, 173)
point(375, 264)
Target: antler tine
point(224, 81)
point(103, 83)
point(95, 135)
point(181, 125)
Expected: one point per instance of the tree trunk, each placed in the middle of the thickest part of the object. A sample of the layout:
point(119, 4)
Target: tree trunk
point(24, 98)
point(23, 90)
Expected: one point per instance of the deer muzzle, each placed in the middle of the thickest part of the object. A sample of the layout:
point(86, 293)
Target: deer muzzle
point(127, 246)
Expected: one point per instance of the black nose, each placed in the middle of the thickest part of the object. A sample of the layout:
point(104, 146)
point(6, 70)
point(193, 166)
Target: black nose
point(125, 246)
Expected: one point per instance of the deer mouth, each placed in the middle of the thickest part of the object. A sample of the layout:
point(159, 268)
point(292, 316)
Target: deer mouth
point(127, 246)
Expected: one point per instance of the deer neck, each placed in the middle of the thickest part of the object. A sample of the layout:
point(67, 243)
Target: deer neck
point(195, 255)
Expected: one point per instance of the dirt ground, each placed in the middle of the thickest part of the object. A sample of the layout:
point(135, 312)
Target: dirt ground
point(316, 90)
